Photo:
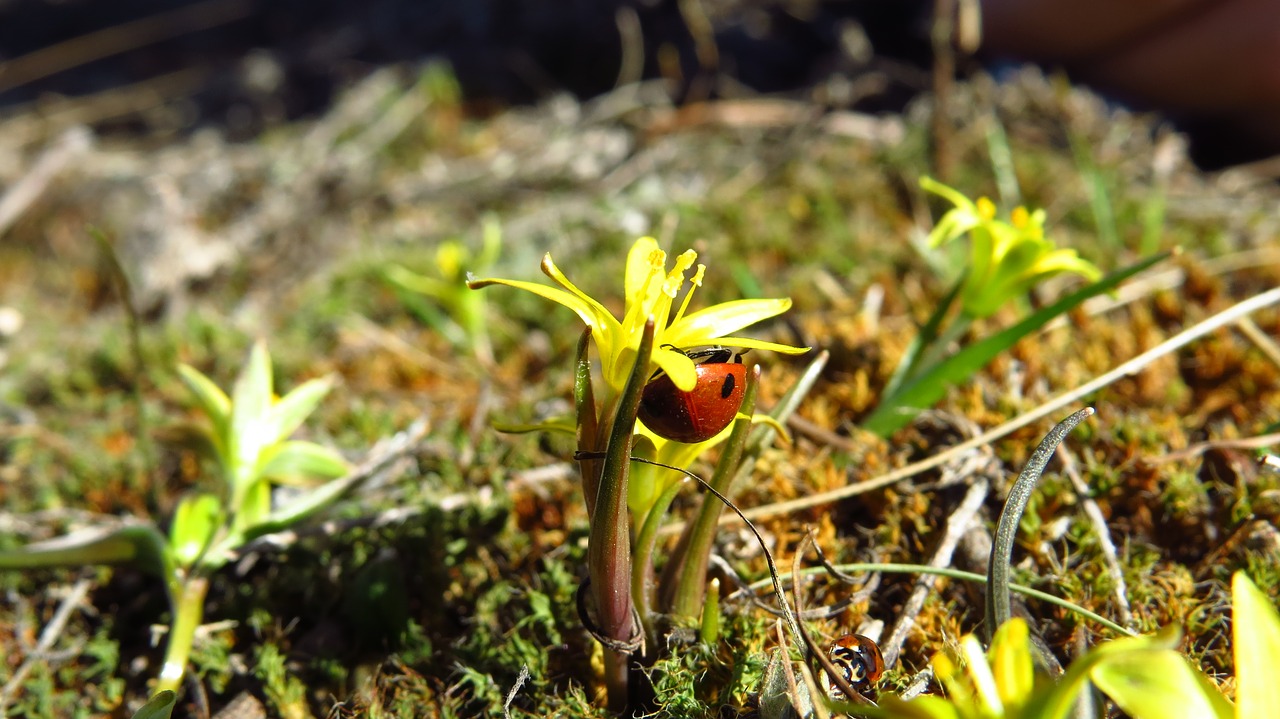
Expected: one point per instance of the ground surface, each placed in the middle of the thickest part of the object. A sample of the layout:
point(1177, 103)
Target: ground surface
point(430, 590)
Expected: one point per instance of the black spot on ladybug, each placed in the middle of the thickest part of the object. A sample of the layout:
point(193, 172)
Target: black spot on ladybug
point(726, 389)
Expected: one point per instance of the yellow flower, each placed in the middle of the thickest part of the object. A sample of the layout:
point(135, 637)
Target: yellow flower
point(1006, 258)
point(651, 290)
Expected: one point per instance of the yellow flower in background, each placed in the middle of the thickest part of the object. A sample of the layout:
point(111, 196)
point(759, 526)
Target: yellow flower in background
point(651, 290)
point(1006, 258)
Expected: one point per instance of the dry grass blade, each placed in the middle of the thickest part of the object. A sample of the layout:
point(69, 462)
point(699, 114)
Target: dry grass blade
point(957, 524)
point(114, 40)
point(1099, 522)
point(51, 632)
point(1226, 317)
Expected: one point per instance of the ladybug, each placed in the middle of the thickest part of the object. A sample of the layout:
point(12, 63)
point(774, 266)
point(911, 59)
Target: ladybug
point(702, 412)
point(859, 659)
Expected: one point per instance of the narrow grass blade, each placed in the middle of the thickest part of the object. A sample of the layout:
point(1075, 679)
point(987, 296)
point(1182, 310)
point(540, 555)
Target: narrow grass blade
point(927, 335)
point(932, 384)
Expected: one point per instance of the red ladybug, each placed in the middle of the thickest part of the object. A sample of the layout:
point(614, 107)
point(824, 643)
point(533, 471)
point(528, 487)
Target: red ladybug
point(702, 412)
point(859, 658)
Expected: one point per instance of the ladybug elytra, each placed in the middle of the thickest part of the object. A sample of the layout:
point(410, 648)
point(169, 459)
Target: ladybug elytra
point(858, 657)
point(702, 412)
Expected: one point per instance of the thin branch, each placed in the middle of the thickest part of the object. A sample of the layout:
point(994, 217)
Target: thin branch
point(52, 631)
point(1094, 513)
point(957, 524)
point(1131, 367)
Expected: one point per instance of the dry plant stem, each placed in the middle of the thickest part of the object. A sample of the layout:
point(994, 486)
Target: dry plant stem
point(1250, 329)
point(37, 120)
point(817, 653)
point(793, 690)
point(1149, 283)
point(944, 67)
point(69, 147)
point(1133, 366)
point(960, 574)
point(40, 652)
point(120, 38)
point(957, 524)
point(147, 464)
point(1199, 448)
point(521, 678)
point(1094, 513)
point(631, 37)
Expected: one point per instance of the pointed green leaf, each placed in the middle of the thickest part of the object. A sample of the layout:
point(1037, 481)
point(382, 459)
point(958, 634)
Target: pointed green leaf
point(1063, 695)
point(295, 407)
point(1155, 684)
point(140, 545)
point(255, 505)
point(251, 419)
point(297, 461)
point(306, 505)
point(212, 400)
point(194, 523)
point(407, 279)
point(1256, 630)
point(160, 706)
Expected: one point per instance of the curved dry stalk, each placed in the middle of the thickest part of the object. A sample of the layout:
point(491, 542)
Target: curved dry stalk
point(1133, 366)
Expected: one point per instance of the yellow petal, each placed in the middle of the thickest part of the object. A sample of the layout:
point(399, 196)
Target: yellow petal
point(678, 367)
point(747, 343)
point(696, 329)
point(591, 312)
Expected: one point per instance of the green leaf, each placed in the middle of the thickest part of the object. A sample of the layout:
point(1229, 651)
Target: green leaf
point(305, 506)
point(1156, 684)
point(291, 462)
point(1063, 695)
point(213, 402)
point(251, 418)
point(194, 523)
point(139, 545)
point(160, 706)
point(296, 406)
point(255, 505)
point(1256, 630)
point(932, 383)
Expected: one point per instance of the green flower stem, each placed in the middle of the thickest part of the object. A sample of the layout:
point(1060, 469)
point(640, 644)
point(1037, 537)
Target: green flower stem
point(609, 543)
point(588, 430)
point(642, 561)
point(188, 610)
point(691, 582)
